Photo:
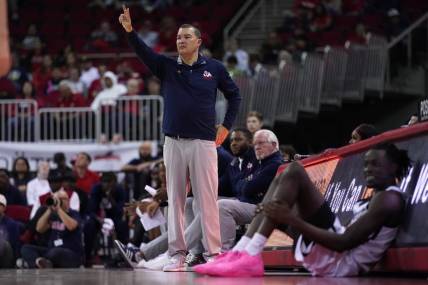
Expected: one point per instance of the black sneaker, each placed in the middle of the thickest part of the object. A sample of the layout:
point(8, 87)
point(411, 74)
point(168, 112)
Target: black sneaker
point(129, 253)
point(42, 263)
point(193, 259)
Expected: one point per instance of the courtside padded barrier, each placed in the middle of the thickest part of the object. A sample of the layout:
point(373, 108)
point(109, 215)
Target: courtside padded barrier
point(338, 174)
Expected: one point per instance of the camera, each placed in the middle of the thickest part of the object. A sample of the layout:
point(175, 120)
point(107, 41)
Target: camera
point(51, 201)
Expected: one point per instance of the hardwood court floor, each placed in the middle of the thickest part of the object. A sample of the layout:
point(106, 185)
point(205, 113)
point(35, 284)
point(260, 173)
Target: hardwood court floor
point(146, 277)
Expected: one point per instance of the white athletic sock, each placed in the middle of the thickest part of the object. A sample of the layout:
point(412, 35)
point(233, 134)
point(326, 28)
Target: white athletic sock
point(242, 243)
point(255, 246)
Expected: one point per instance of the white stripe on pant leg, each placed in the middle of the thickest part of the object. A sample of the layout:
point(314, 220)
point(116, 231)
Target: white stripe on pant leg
point(176, 166)
point(204, 179)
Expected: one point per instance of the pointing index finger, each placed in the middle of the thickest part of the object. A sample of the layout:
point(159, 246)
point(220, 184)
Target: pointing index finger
point(124, 8)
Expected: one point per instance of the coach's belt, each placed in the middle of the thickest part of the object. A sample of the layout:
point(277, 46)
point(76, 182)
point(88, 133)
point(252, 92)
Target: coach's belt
point(178, 137)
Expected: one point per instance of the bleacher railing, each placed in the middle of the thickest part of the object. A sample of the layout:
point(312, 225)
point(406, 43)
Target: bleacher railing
point(327, 78)
point(335, 75)
point(133, 118)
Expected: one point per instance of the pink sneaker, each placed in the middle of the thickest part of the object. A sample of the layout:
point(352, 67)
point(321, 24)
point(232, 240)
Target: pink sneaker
point(245, 266)
point(220, 259)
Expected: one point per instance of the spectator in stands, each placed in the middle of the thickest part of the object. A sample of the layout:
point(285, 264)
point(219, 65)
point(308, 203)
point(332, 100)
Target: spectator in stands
point(75, 83)
point(322, 21)
point(21, 175)
point(38, 186)
point(124, 72)
point(288, 152)
point(41, 76)
point(103, 37)
point(140, 168)
point(324, 245)
point(76, 195)
point(85, 178)
point(112, 90)
point(10, 192)
point(65, 98)
point(333, 7)
point(232, 67)
point(17, 73)
point(270, 49)
point(359, 36)
point(231, 47)
point(254, 121)
point(96, 86)
point(256, 65)
point(89, 72)
point(362, 132)
point(353, 7)
point(31, 39)
point(56, 77)
point(7, 88)
point(394, 24)
point(107, 200)
point(21, 118)
point(148, 35)
point(152, 5)
point(61, 163)
point(64, 248)
point(167, 36)
point(153, 86)
point(9, 237)
point(133, 86)
point(284, 58)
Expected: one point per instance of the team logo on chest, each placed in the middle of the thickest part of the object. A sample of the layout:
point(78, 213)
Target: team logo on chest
point(207, 75)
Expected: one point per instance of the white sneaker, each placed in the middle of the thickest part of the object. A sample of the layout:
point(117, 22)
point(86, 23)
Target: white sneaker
point(156, 263)
point(176, 263)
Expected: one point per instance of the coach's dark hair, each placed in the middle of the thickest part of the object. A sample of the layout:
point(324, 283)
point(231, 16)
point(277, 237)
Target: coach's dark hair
point(196, 30)
point(247, 134)
point(397, 156)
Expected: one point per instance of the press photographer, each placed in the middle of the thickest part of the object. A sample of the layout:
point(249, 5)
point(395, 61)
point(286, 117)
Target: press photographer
point(64, 248)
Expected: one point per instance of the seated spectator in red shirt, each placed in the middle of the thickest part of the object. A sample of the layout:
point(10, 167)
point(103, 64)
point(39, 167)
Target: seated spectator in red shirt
point(7, 88)
point(353, 7)
point(42, 75)
point(322, 21)
point(65, 98)
point(168, 31)
point(85, 178)
point(359, 36)
point(124, 72)
point(103, 38)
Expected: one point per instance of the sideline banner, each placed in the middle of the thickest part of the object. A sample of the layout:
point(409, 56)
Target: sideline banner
point(105, 157)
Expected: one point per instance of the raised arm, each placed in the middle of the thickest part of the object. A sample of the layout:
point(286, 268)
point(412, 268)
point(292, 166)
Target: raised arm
point(125, 19)
point(153, 60)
